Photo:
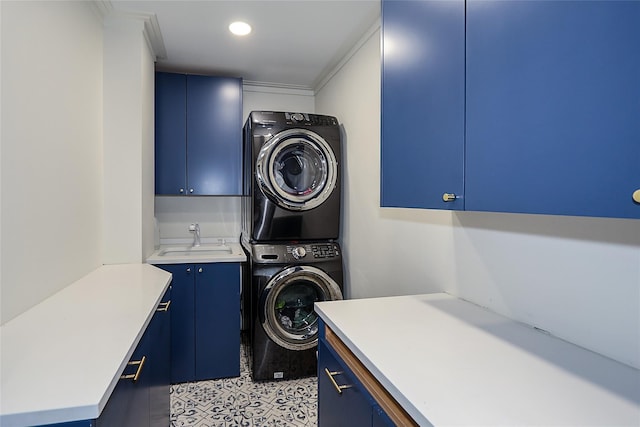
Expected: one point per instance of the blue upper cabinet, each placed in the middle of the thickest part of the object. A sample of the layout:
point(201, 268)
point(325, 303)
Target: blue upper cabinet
point(198, 135)
point(548, 120)
point(553, 107)
point(170, 133)
point(422, 103)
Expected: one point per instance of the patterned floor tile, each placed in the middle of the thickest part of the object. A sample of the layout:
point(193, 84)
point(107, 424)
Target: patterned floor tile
point(232, 402)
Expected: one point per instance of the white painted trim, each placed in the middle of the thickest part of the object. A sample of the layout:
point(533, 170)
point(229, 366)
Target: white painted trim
point(325, 77)
point(152, 32)
point(102, 8)
point(266, 87)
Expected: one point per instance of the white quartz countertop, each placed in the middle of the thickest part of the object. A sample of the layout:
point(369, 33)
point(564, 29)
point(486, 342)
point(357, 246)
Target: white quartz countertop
point(200, 254)
point(62, 358)
point(449, 362)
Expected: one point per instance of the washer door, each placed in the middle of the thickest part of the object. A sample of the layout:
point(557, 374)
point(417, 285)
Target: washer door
point(297, 169)
point(287, 305)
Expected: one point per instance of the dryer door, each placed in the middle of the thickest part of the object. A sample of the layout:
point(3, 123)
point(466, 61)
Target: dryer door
point(286, 305)
point(297, 169)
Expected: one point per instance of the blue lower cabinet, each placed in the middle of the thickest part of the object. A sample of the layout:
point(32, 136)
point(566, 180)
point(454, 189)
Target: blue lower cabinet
point(342, 400)
point(205, 321)
point(217, 320)
point(141, 397)
point(379, 418)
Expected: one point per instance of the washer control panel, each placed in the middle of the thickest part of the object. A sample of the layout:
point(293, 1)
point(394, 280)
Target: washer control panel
point(310, 119)
point(303, 252)
point(313, 251)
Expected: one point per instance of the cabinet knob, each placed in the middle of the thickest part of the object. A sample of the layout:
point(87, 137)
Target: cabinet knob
point(188, 270)
point(191, 190)
point(636, 196)
point(449, 197)
point(200, 270)
point(181, 190)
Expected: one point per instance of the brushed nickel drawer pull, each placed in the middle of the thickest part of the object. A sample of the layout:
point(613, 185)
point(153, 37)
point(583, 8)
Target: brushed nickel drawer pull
point(338, 388)
point(135, 376)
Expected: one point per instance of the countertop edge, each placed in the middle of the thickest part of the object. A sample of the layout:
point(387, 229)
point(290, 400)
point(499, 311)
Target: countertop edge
point(490, 354)
point(92, 405)
point(237, 255)
point(386, 383)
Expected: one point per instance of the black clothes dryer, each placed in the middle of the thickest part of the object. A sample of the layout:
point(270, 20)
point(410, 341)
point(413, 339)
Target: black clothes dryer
point(286, 281)
point(292, 177)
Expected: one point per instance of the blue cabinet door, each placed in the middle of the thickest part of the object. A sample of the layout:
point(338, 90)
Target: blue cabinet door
point(350, 407)
point(553, 107)
point(217, 320)
point(170, 133)
point(423, 103)
point(182, 323)
point(214, 135)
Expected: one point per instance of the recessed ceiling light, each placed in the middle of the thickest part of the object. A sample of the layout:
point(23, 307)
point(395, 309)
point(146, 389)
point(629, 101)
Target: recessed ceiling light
point(240, 28)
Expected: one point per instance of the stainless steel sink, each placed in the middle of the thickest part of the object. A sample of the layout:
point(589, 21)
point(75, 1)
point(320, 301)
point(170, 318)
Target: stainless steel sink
point(195, 250)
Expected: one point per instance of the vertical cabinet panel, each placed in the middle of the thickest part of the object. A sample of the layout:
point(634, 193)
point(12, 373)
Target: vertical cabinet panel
point(214, 135)
point(552, 107)
point(160, 367)
point(423, 103)
point(183, 336)
point(170, 133)
point(217, 320)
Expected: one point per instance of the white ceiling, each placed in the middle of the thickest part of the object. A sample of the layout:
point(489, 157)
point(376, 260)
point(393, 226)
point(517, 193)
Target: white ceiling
point(294, 43)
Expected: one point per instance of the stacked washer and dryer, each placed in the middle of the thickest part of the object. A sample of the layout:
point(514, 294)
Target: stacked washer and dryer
point(290, 227)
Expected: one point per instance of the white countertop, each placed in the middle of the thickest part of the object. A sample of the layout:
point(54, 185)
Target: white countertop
point(235, 255)
point(62, 358)
point(449, 362)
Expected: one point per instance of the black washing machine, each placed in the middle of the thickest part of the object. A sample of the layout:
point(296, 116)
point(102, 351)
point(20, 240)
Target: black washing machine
point(286, 281)
point(291, 174)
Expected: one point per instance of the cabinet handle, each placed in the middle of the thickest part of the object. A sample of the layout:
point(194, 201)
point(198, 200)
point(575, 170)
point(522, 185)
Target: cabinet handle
point(181, 190)
point(189, 270)
point(338, 388)
point(200, 270)
point(135, 376)
point(636, 196)
point(164, 306)
point(449, 197)
point(191, 190)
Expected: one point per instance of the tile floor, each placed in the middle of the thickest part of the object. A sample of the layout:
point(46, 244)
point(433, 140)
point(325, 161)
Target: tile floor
point(241, 402)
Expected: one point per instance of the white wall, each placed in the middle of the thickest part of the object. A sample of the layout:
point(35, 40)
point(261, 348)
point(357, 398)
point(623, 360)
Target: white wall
point(257, 97)
point(51, 172)
point(219, 217)
point(128, 141)
point(578, 278)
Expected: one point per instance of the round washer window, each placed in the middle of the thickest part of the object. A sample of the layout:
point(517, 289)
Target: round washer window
point(297, 169)
point(288, 317)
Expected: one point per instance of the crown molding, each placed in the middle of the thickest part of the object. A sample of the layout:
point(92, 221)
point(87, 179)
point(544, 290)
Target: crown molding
point(152, 33)
point(102, 8)
point(324, 78)
point(267, 87)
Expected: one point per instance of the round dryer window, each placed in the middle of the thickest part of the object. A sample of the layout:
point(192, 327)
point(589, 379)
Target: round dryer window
point(287, 302)
point(297, 169)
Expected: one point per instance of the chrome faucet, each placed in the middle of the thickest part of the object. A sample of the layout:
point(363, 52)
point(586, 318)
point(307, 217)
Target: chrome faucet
point(195, 228)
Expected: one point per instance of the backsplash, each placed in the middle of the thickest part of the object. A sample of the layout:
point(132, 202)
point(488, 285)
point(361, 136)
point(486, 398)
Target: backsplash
point(219, 217)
